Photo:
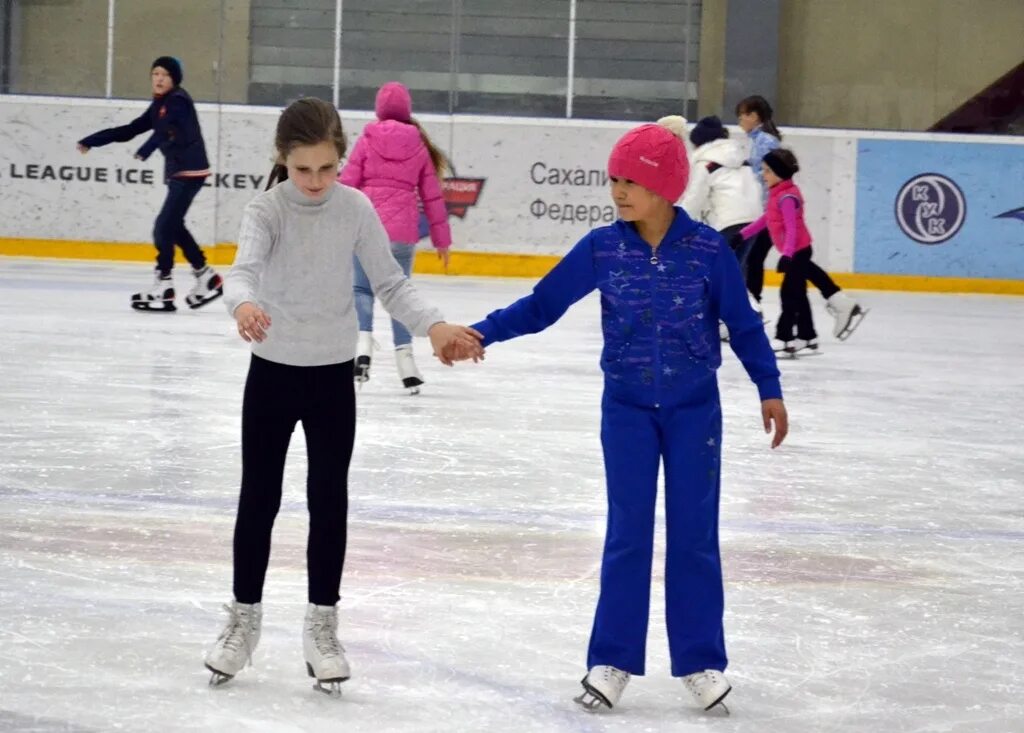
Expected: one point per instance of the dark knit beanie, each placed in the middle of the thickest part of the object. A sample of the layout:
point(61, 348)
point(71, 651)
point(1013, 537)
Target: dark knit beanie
point(708, 129)
point(171, 65)
point(782, 162)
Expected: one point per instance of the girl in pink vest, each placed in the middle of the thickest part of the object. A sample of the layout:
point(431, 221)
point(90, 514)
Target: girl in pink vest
point(784, 218)
point(397, 166)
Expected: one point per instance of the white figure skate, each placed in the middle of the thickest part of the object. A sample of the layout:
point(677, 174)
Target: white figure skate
point(602, 688)
point(236, 643)
point(325, 656)
point(708, 688)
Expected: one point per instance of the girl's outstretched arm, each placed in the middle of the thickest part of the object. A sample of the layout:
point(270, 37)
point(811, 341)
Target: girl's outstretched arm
point(571, 279)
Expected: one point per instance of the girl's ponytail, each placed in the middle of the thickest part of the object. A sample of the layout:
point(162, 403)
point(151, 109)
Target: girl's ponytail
point(278, 174)
point(437, 158)
point(759, 106)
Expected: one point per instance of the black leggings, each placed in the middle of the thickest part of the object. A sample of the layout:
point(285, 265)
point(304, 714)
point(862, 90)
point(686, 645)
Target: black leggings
point(169, 228)
point(796, 309)
point(277, 396)
point(756, 256)
point(737, 243)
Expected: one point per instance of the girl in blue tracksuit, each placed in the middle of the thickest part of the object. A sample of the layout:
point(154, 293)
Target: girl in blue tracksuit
point(665, 282)
point(172, 118)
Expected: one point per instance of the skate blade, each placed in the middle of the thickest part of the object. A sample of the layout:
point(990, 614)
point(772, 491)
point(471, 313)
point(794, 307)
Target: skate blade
point(412, 390)
point(591, 702)
point(165, 307)
point(193, 304)
point(218, 678)
point(855, 320)
point(332, 690)
point(591, 698)
point(329, 686)
point(719, 703)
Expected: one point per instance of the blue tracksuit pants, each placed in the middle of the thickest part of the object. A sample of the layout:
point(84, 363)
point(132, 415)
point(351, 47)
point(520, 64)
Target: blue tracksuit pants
point(636, 440)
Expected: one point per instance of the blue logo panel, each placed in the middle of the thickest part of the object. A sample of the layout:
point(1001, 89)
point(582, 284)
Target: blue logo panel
point(940, 209)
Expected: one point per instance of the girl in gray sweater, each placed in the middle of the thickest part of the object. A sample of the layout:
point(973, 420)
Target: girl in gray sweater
point(290, 292)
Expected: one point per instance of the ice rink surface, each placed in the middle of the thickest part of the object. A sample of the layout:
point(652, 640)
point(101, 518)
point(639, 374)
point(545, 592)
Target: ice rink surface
point(874, 564)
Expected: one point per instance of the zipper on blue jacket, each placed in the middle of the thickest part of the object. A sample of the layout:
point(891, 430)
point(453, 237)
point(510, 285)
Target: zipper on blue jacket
point(657, 336)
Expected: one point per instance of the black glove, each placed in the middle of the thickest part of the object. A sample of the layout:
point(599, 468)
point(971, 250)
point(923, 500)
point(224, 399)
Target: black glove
point(783, 264)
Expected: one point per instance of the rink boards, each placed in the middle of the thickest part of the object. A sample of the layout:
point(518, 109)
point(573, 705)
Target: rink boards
point(886, 210)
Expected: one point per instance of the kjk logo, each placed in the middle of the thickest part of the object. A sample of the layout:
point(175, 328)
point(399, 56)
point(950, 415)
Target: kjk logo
point(930, 208)
point(460, 195)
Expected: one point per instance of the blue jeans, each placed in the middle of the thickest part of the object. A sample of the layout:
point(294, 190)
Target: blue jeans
point(403, 254)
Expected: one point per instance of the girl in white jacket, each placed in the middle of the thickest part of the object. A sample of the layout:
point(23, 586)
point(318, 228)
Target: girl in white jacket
point(723, 191)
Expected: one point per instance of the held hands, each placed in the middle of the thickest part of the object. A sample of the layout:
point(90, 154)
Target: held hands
point(455, 343)
point(252, 322)
point(775, 411)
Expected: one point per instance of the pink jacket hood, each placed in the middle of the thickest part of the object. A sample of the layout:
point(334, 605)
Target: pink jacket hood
point(394, 141)
point(393, 102)
point(391, 165)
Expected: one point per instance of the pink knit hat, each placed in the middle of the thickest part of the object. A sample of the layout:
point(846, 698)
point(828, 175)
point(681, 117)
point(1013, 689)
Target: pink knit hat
point(393, 102)
point(653, 157)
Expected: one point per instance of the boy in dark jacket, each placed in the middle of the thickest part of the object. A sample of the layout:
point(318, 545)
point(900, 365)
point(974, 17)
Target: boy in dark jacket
point(175, 125)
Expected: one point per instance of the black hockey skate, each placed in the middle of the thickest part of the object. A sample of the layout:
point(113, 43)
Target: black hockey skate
point(798, 348)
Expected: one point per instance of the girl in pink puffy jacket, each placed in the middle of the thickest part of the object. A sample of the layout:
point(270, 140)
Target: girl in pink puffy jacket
point(397, 166)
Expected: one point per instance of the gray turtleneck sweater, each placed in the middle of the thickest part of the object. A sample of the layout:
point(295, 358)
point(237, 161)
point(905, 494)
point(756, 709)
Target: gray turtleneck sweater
point(294, 261)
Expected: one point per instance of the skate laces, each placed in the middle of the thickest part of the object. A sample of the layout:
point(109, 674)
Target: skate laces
point(616, 676)
point(325, 638)
point(238, 632)
point(701, 682)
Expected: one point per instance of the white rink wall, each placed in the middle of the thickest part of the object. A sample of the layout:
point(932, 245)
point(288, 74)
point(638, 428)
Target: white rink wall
point(539, 175)
point(542, 185)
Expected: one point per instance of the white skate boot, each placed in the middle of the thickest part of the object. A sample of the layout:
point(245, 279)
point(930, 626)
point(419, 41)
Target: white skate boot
point(602, 688)
point(236, 643)
point(407, 371)
point(847, 313)
point(209, 286)
point(325, 656)
point(723, 332)
point(159, 298)
point(364, 353)
point(708, 688)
